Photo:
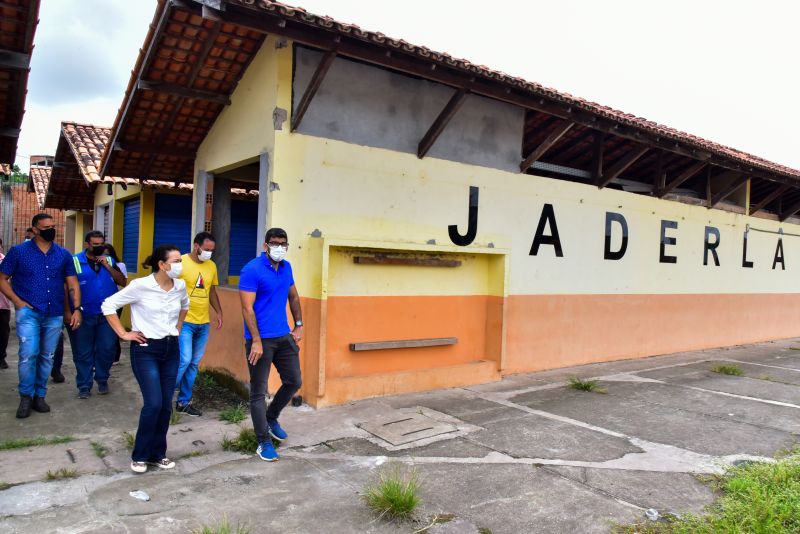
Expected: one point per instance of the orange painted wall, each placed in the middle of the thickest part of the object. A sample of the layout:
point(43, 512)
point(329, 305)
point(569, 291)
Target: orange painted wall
point(551, 331)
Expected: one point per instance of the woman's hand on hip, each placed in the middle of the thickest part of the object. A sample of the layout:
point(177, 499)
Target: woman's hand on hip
point(138, 337)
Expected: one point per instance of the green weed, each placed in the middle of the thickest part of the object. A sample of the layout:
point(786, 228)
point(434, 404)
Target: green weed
point(129, 440)
point(732, 370)
point(395, 493)
point(223, 527)
point(175, 417)
point(234, 414)
point(245, 442)
point(33, 442)
point(585, 385)
point(100, 450)
point(60, 474)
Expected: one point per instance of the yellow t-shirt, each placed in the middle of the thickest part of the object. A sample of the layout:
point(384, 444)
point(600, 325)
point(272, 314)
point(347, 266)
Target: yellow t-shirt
point(199, 278)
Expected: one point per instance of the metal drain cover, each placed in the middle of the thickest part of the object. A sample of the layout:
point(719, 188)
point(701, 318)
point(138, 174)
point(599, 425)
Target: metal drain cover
point(402, 428)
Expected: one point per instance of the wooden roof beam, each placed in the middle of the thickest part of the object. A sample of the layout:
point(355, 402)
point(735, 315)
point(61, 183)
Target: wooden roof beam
point(726, 192)
point(152, 148)
point(597, 156)
point(14, 60)
point(785, 214)
point(184, 92)
point(546, 145)
point(769, 198)
point(621, 166)
point(441, 121)
point(316, 80)
point(685, 175)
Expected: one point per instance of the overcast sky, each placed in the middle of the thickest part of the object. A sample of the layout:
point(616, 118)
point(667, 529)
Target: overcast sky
point(725, 70)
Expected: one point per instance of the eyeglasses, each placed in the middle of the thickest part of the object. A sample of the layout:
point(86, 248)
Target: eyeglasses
point(276, 245)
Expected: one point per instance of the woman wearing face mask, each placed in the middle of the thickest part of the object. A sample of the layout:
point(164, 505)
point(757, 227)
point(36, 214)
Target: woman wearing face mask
point(158, 307)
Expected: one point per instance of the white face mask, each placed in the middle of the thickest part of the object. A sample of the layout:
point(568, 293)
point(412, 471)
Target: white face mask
point(277, 253)
point(175, 270)
point(204, 255)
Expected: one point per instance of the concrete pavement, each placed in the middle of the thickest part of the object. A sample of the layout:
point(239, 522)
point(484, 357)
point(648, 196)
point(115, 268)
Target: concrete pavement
point(528, 454)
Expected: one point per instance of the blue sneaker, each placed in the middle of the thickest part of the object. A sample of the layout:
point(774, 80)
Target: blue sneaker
point(276, 431)
point(267, 452)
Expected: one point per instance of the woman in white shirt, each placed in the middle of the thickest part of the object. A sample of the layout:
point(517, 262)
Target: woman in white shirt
point(158, 306)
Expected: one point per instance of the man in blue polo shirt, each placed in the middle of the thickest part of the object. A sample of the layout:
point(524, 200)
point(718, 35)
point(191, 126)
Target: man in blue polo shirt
point(38, 270)
point(265, 284)
point(94, 344)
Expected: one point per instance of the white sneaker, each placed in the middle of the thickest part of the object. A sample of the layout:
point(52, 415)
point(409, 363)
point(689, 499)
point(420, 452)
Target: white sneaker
point(139, 467)
point(164, 463)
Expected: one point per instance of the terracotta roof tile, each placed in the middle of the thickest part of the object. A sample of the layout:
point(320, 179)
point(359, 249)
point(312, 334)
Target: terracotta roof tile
point(88, 143)
point(40, 176)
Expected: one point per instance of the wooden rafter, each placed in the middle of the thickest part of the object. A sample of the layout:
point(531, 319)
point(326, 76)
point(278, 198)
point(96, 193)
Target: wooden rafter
point(708, 186)
point(14, 60)
point(685, 175)
point(597, 156)
point(441, 121)
point(185, 92)
point(769, 198)
point(546, 145)
point(150, 148)
point(726, 192)
point(316, 80)
point(791, 210)
point(621, 166)
point(659, 178)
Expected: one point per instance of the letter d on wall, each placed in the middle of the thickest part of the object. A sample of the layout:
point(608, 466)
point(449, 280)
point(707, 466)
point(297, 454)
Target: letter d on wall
point(608, 254)
point(472, 225)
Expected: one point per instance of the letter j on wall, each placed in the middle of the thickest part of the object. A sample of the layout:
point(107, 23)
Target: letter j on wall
point(472, 225)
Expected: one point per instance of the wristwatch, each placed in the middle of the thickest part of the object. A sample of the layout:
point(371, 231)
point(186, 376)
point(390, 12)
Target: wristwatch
point(298, 323)
point(79, 308)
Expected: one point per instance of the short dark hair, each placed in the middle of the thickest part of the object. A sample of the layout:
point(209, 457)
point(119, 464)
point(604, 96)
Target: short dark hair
point(202, 237)
point(29, 229)
point(94, 233)
point(39, 217)
point(159, 254)
point(275, 232)
point(112, 252)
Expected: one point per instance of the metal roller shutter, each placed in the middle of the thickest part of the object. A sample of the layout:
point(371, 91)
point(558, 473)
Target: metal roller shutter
point(130, 235)
point(173, 222)
point(244, 233)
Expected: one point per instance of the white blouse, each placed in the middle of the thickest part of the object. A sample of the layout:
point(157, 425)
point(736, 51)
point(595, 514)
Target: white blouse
point(154, 312)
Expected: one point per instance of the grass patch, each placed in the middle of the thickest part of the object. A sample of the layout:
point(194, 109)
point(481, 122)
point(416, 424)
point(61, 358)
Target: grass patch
point(194, 454)
point(724, 369)
point(395, 493)
point(794, 348)
point(223, 527)
point(756, 497)
point(484, 530)
point(100, 450)
point(205, 379)
point(4, 486)
point(10, 444)
point(233, 414)
point(175, 417)
point(245, 442)
point(585, 385)
point(60, 474)
point(129, 440)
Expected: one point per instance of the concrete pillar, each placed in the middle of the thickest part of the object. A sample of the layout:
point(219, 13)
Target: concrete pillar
point(69, 233)
point(199, 202)
point(221, 217)
point(7, 216)
point(262, 221)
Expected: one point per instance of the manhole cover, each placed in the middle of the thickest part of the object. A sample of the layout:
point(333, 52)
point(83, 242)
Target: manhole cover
point(403, 428)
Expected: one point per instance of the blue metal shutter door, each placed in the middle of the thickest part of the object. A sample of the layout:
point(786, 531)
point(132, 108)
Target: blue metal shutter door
point(244, 232)
point(130, 235)
point(173, 222)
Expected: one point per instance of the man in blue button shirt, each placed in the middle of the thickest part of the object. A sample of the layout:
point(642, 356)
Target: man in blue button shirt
point(94, 344)
point(265, 284)
point(38, 270)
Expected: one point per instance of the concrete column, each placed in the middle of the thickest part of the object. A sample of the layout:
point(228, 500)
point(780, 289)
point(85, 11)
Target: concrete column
point(221, 217)
point(7, 216)
point(262, 221)
point(199, 202)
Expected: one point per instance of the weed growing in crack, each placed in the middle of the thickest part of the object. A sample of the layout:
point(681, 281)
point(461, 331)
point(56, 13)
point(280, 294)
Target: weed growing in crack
point(395, 493)
point(129, 440)
point(100, 450)
point(585, 385)
point(60, 474)
point(223, 527)
point(234, 414)
point(11, 444)
point(724, 369)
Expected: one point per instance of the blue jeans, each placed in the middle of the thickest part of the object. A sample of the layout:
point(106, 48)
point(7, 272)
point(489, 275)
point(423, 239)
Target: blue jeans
point(94, 346)
point(154, 366)
point(38, 337)
point(193, 340)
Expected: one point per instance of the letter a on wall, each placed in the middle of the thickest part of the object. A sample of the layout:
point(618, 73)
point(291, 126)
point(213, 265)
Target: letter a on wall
point(548, 216)
point(472, 225)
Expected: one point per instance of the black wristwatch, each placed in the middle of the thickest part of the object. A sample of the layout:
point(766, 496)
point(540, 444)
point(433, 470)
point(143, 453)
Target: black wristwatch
point(79, 308)
point(298, 323)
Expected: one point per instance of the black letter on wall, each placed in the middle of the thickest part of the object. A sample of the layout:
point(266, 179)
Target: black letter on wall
point(745, 263)
point(612, 217)
point(709, 246)
point(779, 256)
point(662, 257)
point(548, 215)
point(472, 225)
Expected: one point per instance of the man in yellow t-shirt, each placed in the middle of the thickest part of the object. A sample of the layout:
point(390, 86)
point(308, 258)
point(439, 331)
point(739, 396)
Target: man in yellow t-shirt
point(200, 275)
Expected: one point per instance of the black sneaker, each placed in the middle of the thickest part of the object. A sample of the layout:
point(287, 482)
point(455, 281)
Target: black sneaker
point(58, 378)
point(188, 409)
point(84, 394)
point(40, 405)
point(102, 388)
point(3, 364)
point(24, 409)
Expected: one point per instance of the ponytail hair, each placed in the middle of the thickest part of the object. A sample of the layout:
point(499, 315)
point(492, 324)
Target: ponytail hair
point(161, 253)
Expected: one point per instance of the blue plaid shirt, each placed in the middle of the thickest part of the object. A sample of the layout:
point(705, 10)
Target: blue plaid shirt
point(38, 278)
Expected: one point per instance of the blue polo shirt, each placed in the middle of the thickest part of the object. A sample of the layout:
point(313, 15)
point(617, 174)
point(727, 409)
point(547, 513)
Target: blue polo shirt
point(272, 292)
point(95, 286)
point(38, 278)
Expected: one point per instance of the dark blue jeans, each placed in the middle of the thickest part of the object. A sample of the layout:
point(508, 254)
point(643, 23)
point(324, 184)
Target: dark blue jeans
point(284, 353)
point(94, 345)
point(155, 366)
